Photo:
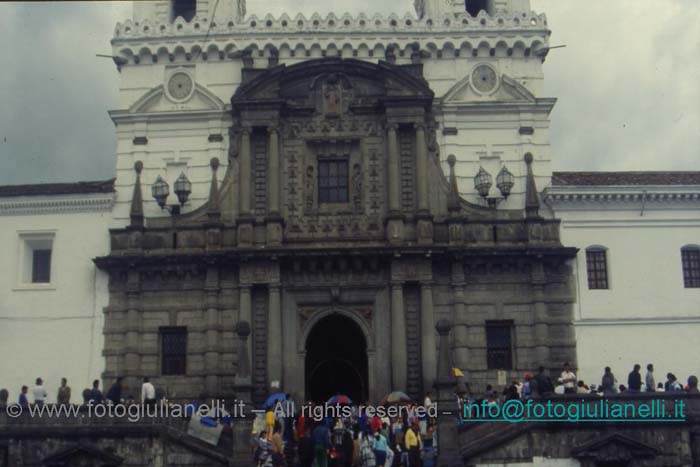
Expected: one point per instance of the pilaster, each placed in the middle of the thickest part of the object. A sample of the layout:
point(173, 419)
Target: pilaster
point(274, 343)
point(274, 220)
point(398, 338)
point(427, 326)
point(395, 223)
point(245, 220)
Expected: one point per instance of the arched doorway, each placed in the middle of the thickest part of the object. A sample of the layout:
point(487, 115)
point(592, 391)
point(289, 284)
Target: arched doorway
point(336, 360)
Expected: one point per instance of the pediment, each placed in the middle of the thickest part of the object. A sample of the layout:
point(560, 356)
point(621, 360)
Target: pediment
point(82, 456)
point(297, 83)
point(508, 90)
point(155, 100)
point(614, 447)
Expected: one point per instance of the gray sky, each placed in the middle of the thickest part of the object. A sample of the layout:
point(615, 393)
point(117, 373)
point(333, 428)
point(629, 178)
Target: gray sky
point(627, 84)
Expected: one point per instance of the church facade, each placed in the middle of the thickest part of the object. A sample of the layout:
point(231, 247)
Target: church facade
point(326, 203)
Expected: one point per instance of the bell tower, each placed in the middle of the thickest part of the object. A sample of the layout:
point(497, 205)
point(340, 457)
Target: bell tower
point(440, 8)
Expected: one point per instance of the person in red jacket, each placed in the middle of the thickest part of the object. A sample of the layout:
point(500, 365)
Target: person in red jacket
point(376, 424)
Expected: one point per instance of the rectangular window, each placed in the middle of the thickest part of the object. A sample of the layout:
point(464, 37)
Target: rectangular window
point(333, 181)
point(499, 346)
point(597, 267)
point(173, 342)
point(36, 260)
point(41, 266)
point(691, 267)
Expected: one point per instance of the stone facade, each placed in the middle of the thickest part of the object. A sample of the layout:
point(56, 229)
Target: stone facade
point(399, 251)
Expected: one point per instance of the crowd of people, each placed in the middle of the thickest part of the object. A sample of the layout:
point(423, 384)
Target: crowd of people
point(542, 385)
point(356, 440)
point(93, 395)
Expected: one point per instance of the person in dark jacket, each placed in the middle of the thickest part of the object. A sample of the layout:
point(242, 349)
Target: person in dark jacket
point(114, 395)
point(634, 380)
point(607, 383)
point(321, 437)
point(347, 449)
point(544, 383)
point(306, 449)
point(95, 394)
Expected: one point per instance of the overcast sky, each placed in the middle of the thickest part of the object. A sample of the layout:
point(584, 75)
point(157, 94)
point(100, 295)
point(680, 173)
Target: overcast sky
point(628, 84)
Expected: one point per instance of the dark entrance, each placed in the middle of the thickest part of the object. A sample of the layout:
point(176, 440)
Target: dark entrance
point(336, 360)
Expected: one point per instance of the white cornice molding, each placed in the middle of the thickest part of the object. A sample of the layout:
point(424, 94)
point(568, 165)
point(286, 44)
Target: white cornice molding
point(124, 116)
point(59, 204)
point(199, 27)
point(651, 321)
point(541, 105)
point(147, 41)
point(605, 197)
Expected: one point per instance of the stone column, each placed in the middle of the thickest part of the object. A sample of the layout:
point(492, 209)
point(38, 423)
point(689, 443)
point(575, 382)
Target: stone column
point(394, 227)
point(423, 216)
point(448, 436)
point(394, 175)
point(422, 169)
point(427, 327)
point(540, 316)
point(245, 173)
point(245, 220)
point(398, 338)
point(244, 393)
point(273, 172)
point(245, 310)
point(132, 348)
point(212, 335)
point(461, 336)
point(273, 220)
point(274, 335)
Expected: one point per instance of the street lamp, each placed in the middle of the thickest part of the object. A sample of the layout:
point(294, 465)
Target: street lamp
point(504, 182)
point(160, 191)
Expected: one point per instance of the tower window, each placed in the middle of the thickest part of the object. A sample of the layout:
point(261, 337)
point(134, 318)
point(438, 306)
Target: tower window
point(499, 346)
point(473, 7)
point(597, 267)
point(185, 8)
point(333, 181)
point(690, 257)
point(173, 345)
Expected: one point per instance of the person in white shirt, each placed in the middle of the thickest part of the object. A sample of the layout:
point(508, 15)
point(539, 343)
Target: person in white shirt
point(428, 402)
point(39, 392)
point(568, 379)
point(148, 392)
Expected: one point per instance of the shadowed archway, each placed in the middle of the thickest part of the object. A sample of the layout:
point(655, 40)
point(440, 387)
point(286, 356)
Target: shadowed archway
point(336, 360)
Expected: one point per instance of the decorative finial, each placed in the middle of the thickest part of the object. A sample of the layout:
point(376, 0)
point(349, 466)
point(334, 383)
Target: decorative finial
point(453, 194)
point(532, 202)
point(214, 209)
point(443, 327)
point(136, 211)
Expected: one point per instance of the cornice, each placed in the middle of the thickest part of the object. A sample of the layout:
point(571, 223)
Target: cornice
point(56, 205)
point(500, 35)
point(650, 321)
point(602, 196)
point(542, 105)
point(125, 116)
point(332, 24)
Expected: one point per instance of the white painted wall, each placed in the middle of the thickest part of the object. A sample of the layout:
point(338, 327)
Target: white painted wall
point(646, 316)
point(55, 330)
